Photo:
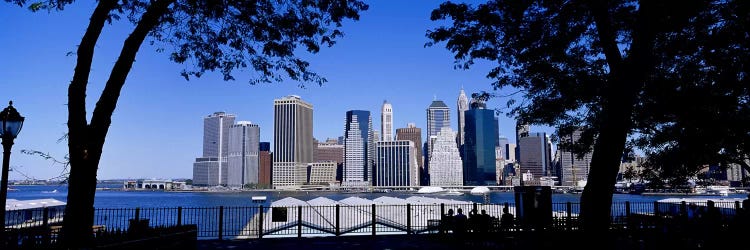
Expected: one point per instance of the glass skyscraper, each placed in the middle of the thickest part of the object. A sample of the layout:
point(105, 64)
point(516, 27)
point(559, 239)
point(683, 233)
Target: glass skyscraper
point(479, 146)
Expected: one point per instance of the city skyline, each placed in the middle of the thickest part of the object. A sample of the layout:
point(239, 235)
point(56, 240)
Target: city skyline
point(161, 112)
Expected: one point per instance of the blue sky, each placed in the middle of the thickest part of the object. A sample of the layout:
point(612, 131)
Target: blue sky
point(156, 130)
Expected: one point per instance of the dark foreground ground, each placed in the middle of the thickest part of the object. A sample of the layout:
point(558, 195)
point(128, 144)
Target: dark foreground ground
point(532, 240)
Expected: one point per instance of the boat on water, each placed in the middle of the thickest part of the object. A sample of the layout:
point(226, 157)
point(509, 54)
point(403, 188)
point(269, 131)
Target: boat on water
point(453, 192)
point(430, 190)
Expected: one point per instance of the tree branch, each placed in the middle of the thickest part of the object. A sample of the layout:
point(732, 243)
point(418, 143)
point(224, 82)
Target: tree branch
point(77, 88)
point(105, 107)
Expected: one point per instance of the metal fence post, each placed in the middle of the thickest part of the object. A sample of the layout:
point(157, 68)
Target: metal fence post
point(569, 215)
point(373, 220)
point(221, 222)
point(179, 216)
point(299, 222)
point(629, 221)
point(338, 216)
point(260, 222)
point(45, 226)
point(442, 213)
point(137, 214)
point(408, 218)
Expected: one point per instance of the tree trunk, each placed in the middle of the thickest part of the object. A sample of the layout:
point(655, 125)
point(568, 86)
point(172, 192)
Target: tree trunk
point(85, 142)
point(626, 79)
point(76, 231)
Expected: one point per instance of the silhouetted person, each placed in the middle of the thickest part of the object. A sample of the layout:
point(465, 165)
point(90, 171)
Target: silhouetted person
point(473, 223)
point(459, 227)
point(483, 221)
point(446, 222)
point(506, 220)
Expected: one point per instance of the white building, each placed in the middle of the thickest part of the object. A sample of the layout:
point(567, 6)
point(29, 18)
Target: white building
point(462, 106)
point(446, 166)
point(242, 157)
point(354, 157)
point(321, 172)
point(386, 122)
point(211, 169)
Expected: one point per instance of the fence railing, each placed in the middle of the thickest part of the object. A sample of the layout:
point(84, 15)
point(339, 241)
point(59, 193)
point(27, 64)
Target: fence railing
point(341, 219)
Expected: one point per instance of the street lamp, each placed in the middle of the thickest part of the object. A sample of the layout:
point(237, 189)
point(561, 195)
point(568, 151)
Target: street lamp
point(11, 122)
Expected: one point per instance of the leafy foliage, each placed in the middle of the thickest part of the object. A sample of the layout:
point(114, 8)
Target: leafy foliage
point(224, 36)
point(693, 109)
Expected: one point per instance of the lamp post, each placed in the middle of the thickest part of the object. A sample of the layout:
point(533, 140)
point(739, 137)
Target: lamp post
point(11, 122)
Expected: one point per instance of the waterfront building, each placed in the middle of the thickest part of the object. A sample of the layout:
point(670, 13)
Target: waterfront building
point(396, 164)
point(438, 116)
point(572, 167)
point(331, 150)
point(414, 134)
point(535, 155)
point(242, 154)
point(265, 161)
point(358, 149)
point(462, 106)
point(446, 161)
point(293, 141)
point(321, 173)
point(479, 146)
point(206, 171)
point(386, 121)
point(211, 168)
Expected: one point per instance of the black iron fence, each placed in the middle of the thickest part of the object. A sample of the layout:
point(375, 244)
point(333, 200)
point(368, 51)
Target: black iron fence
point(366, 219)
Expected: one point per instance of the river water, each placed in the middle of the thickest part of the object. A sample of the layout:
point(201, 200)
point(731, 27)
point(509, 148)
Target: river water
point(161, 199)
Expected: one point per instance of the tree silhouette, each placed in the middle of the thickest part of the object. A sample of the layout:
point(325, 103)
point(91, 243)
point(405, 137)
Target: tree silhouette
point(223, 36)
point(618, 69)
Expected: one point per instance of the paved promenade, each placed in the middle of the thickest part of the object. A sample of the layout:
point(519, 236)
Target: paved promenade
point(557, 241)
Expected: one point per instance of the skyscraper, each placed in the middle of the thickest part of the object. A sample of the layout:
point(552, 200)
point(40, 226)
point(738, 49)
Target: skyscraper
point(522, 130)
point(414, 134)
point(446, 169)
point(293, 141)
point(535, 154)
point(242, 155)
point(438, 116)
point(358, 149)
point(396, 164)
point(462, 106)
point(573, 169)
point(479, 146)
point(386, 122)
point(211, 169)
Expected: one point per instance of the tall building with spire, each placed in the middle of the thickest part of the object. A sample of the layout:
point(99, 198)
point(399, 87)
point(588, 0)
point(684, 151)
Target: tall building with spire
point(386, 122)
point(358, 149)
point(211, 169)
point(461, 106)
point(292, 141)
